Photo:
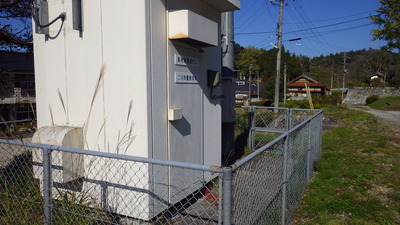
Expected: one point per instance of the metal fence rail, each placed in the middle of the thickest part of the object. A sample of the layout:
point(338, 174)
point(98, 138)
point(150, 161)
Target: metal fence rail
point(43, 184)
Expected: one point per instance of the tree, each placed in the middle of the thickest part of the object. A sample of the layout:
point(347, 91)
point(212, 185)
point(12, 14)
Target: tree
point(15, 25)
point(388, 20)
point(247, 56)
point(374, 61)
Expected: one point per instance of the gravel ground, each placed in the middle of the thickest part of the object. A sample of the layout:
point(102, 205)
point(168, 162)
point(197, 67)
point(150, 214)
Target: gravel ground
point(391, 118)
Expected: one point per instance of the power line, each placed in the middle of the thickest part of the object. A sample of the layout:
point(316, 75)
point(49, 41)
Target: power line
point(305, 29)
point(295, 14)
point(247, 10)
point(251, 19)
point(322, 33)
point(269, 11)
point(309, 24)
point(336, 18)
point(330, 25)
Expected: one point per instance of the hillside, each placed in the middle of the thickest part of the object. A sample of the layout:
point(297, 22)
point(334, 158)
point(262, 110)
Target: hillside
point(359, 65)
point(251, 61)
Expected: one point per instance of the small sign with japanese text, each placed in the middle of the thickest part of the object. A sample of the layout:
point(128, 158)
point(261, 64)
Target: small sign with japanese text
point(185, 78)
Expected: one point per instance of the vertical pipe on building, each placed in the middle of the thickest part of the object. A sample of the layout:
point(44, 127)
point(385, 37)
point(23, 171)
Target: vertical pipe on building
point(228, 89)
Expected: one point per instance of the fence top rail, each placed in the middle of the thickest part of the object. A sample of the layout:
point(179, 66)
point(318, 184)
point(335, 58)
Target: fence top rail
point(264, 107)
point(276, 140)
point(17, 121)
point(311, 110)
point(213, 169)
point(282, 108)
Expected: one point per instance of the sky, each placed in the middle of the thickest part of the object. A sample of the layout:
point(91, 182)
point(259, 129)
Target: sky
point(324, 26)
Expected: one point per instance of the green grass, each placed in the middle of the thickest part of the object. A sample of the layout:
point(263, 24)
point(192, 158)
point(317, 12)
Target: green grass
point(358, 181)
point(388, 103)
point(21, 200)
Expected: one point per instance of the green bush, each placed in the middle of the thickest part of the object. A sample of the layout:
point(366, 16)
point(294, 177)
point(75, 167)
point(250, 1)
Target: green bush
point(241, 118)
point(377, 83)
point(300, 104)
point(319, 101)
point(371, 99)
point(266, 103)
point(239, 103)
point(387, 103)
point(322, 101)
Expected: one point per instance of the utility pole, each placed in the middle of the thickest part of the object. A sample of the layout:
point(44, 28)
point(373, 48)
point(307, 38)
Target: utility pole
point(344, 73)
point(337, 80)
point(284, 83)
point(258, 86)
point(332, 76)
point(249, 98)
point(278, 57)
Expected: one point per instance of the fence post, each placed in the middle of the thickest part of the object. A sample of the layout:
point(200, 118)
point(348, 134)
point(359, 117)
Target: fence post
point(309, 152)
point(47, 186)
point(287, 119)
point(227, 186)
point(251, 125)
point(220, 200)
point(320, 131)
point(284, 178)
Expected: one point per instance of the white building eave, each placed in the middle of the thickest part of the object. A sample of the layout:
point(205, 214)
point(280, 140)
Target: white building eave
point(224, 5)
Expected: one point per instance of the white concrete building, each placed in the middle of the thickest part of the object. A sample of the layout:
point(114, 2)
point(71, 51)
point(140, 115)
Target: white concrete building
point(130, 77)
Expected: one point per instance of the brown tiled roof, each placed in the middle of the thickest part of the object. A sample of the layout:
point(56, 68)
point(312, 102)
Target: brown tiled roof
point(301, 84)
point(305, 77)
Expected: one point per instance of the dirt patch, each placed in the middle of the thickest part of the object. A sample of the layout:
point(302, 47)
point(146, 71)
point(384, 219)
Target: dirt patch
point(328, 123)
point(381, 192)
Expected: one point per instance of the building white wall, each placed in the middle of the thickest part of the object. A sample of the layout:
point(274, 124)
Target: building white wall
point(113, 39)
point(125, 110)
point(127, 41)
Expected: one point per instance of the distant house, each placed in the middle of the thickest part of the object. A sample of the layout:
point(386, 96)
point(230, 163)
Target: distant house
point(376, 76)
point(297, 87)
point(243, 91)
point(17, 86)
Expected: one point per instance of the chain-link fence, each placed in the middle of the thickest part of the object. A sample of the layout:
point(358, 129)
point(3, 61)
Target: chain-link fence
point(264, 124)
point(42, 184)
point(267, 185)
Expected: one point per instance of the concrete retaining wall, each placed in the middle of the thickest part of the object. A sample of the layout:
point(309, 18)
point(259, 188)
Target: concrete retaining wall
point(358, 95)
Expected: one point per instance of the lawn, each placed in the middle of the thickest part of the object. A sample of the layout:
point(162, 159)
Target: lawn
point(358, 178)
point(388, 103)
